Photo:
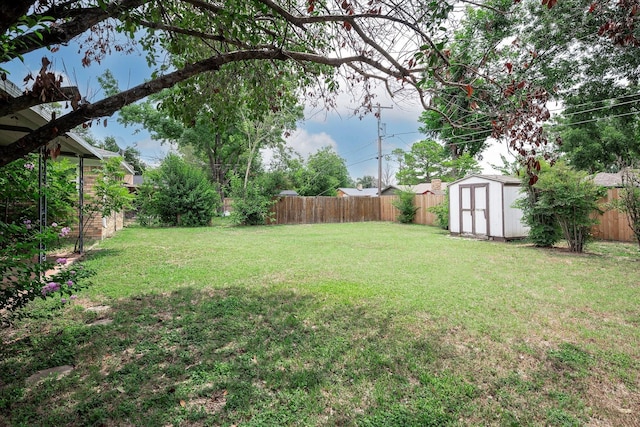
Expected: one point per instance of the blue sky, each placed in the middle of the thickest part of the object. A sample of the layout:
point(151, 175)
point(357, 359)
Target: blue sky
point(353, 138)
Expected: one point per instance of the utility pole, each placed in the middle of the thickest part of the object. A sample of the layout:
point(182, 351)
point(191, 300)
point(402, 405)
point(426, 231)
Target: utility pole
point(380, 150)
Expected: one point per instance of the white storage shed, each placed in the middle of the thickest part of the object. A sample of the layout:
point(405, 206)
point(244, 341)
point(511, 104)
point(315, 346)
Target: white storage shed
point(482, 206)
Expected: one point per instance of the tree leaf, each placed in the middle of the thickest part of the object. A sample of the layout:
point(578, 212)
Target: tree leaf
point(469, 90)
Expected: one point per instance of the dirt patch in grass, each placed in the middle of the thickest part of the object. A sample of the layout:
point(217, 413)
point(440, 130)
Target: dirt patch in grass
point(613, 404)
point(211, 404)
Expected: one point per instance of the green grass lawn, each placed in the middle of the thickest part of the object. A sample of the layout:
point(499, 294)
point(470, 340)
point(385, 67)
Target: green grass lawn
point(371, 324)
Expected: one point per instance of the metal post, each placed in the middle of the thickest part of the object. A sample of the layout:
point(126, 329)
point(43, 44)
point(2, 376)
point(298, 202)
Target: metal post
point(380, 151)
point(81, 204)
point(42, 202)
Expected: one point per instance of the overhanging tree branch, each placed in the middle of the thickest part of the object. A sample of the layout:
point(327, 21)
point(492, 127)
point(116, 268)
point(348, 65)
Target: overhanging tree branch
point(66, 31)
point(13, 105)
point(110, 105)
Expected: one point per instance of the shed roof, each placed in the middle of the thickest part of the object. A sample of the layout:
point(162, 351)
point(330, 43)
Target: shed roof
point(504, 179)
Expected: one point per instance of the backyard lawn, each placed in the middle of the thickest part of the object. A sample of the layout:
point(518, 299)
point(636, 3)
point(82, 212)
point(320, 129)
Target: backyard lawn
point(368, 324)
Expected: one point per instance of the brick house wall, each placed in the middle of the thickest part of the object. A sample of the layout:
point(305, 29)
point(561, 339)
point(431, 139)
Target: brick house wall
point(98, 228)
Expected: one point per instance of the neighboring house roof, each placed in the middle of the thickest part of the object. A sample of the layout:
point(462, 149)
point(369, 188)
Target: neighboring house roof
point(505, 179)
point(359, 192)
point(288, 193)
point(605, 179)
point(106, 154)
point(138, 180)
point(16, 125)
point(422, 188)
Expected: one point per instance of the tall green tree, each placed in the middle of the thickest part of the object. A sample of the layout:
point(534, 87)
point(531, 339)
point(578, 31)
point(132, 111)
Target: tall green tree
point(428, 159)
point(130, 154)
point(367, 181)
point(464, 100)
point(605, 136)
point(323, 173)
point(234, 150)
point(422, 163)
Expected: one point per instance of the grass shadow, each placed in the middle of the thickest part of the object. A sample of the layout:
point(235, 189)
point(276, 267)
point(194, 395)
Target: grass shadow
point(231, 356)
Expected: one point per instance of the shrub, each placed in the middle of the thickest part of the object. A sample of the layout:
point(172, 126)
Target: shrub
point(251, 204)
point(404, 203)
point(544, 230)
point(571, 198)
point(23, 239)
point(24, 280)
point(629, 202)
point(178, 194)
point(441, 212)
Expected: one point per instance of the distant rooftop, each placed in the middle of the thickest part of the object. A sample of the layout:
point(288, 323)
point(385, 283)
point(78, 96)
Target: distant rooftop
point(605, 179)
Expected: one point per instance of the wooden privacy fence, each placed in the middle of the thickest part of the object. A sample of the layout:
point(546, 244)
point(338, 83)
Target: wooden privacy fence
point(613, 225)
point(312, 210)
point(423, 201)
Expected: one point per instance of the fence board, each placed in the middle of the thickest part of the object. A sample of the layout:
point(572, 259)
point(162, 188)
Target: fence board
point(613, 225)
point(311, 210)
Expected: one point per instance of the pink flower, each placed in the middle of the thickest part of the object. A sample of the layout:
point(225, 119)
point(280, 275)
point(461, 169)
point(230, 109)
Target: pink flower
point(50, 287)
point(73, 296)
point(61, 261)
point(54, 224)
point(69, 283)
point(29, 166)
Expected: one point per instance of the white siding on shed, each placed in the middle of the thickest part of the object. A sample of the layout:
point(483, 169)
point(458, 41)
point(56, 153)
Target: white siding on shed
point(482, 205)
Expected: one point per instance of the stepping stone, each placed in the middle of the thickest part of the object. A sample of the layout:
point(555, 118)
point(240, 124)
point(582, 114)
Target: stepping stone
point(98, 308)
point(59, 372)
point(101, 322)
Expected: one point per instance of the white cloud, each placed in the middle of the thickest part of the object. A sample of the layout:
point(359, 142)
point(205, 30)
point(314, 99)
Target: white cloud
point(491, 155)
point(348, 102)
point(303, 143)
point(152, 152)
point(306, 143)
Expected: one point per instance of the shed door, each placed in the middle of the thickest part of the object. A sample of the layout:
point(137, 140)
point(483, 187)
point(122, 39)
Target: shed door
point(474, 212)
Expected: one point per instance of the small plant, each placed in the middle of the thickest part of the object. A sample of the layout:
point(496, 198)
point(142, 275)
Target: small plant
point(544, 230)
point(110, 197)
point(24, 274)
point(441, 212)
point(251, 203)
point(629, 201)
point(404, 203)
